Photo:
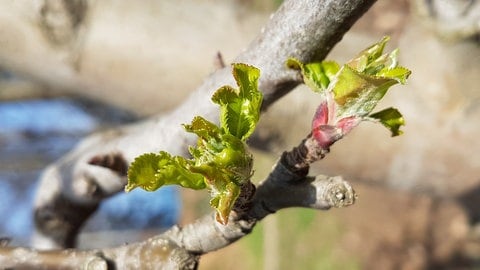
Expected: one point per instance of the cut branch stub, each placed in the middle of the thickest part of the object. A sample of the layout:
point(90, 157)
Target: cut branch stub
point(321, 192)
point(338, 192)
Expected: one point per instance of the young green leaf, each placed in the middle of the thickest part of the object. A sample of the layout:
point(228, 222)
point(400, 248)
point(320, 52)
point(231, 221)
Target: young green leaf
point(151, 171)
point(365, 58)
point(317, 76)
point(240, 109)
point(223, 200)
point(400, 74)
point(358, 94)
point(225, 165)
point(391, 118)
point(203, 128)
point(220, 160)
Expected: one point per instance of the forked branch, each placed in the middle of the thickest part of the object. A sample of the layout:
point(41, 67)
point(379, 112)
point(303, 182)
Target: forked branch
point(180, 247)
point(304, 29)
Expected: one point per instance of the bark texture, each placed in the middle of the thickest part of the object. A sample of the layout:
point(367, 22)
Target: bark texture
point(181, 247)
point(95, 169)
point(306, 30)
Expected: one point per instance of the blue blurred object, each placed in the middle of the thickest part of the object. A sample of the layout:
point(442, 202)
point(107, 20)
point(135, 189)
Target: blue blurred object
point(45, 116)
point(16, 208)
point(140, 209)
point(35, 133)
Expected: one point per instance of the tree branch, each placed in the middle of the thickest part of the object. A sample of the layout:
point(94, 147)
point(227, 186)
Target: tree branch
point(306, 30)
point(180, 248)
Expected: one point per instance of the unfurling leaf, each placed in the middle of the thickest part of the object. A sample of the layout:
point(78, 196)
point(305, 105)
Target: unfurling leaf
point(203, 128)
point(151, 171)
point(240, 108)
point(352, 91)
point(220, 160)
point(391, 118)
point(317, 76)
point(223, 200)
point(371, 57)
point(399, 74)
point(357, 94)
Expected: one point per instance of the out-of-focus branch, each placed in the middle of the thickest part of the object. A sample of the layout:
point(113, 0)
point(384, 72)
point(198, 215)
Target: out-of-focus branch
point(154, 253)
point(452, 20)
point(306, 30)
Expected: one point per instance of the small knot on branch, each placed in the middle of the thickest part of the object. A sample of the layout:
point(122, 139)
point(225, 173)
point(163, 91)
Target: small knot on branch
point(244, 200)
point(96, 263)
point(299, 159)
point(219, 63)
point(113, 161)
point(339, 193)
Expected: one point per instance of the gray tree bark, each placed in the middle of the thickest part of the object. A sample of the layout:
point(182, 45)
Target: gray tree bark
point(72, 188)
point(180, 248)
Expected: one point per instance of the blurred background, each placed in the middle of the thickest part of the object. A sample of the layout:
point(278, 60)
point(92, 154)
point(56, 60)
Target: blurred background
point(71, 68)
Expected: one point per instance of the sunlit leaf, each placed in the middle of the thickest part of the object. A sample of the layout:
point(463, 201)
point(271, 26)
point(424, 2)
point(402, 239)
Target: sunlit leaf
point(141, 173)
point(391, 118)
point(366, 57)
point(224, 201)
point(240, 108)
point(203, 128)
point(358, 94)
point(398, 73)
point(317, 76)
point(220, 160)
point(152, 171)
point(351, 92)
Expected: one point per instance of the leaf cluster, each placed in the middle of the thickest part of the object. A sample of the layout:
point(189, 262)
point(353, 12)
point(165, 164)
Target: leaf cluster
point(220, 160)
point(353, 90)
